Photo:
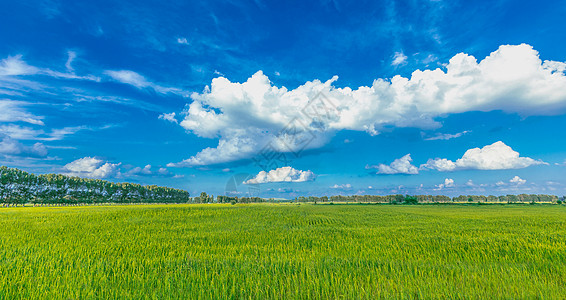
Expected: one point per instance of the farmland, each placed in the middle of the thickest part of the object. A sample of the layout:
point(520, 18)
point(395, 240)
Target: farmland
point(283, 251)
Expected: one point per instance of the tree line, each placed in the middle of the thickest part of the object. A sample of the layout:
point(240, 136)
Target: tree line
point(20, 187)
point(415, 199)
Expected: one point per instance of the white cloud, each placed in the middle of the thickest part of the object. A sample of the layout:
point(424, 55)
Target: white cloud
point(137, 80)
point(182, 41)
point(517, 180)
point(10, 146)
point(446, 136)
point(399, 166)
point(496, 156)
point(60, 133)
point(27, 133)
point(283, 174)
point(147, 171)
point(168, 117)
point(18, 132)
point(429, 59)
point(283, 190)
point(399, 59)
point(346, 186)
point(71, 57)
point(129, 77)
point(15, 66)
point(91, 167)
point(141, 171)
point(448, 183)
point(246, 117)
point(13, 111)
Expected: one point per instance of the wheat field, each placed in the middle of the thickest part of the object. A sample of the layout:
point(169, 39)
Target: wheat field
point(283, 251)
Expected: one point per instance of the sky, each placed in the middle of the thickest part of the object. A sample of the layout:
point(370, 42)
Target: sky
point(288, 98)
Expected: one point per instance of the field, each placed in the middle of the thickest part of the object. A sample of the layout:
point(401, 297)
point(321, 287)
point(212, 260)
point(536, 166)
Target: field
point(283, 251)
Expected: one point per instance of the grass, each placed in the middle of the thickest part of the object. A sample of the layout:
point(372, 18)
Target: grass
point(283, 251)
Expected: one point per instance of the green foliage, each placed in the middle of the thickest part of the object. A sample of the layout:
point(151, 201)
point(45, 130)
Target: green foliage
point(411, 200)
point(19, 187)
point(267, 251)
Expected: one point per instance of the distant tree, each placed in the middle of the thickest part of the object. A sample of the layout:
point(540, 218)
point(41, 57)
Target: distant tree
point(411, 200)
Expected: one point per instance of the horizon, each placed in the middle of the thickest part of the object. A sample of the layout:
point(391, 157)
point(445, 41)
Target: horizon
point(289, 99)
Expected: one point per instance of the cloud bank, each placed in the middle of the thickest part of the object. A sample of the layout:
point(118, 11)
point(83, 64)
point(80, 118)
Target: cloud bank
point(247, 116)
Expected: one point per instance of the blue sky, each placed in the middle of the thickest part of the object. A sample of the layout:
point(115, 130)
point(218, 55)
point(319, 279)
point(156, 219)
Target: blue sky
point(353, 97)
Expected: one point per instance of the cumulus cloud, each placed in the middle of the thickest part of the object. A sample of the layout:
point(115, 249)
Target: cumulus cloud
point(247, 116)
point(448, 183)
point(512, 184)
point(446, 136)
point(399, 166)
point(283, 174)
point(92, 167)
point(168, 117)
point(148, 171)
point(141, 171)
point(517, 180)
point(496, 156)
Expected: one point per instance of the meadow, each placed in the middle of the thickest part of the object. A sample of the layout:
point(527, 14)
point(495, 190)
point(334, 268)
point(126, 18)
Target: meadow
point(283, 251)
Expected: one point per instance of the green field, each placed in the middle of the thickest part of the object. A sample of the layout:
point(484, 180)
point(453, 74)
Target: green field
point(283, 251)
